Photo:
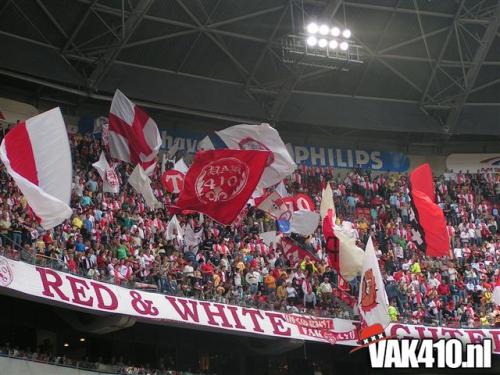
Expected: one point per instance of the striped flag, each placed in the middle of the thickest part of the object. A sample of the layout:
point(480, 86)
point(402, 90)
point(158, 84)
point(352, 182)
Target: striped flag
point(36, 154)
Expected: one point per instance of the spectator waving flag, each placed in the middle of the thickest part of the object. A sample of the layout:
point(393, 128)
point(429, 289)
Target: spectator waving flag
point(133, 135)
point(220, 182)
point(429, 219)
point(36, 154)
point(256, 137)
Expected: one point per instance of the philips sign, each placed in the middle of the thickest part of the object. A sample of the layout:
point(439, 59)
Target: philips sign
point(310, 155)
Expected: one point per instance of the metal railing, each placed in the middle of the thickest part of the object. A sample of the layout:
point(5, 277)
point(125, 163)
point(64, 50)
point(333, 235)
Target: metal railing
point(95, 367)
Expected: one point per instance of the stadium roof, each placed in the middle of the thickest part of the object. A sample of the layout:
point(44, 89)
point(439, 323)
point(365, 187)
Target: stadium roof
point(421, 66)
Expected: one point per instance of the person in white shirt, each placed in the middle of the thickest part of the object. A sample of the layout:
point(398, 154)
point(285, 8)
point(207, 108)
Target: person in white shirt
point(433, 282)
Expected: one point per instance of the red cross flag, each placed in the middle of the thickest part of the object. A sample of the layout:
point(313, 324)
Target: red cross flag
point(133, 135)
point(36, 154)
point(220, 182)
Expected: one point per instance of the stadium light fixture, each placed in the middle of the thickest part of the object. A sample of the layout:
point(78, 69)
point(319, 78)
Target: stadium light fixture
point(327, 36)
point(312, 28)
point(312, 41)
point(322, 43)
point(335, 31)
point(82, 339)
point(324, 29)
point(66, 345)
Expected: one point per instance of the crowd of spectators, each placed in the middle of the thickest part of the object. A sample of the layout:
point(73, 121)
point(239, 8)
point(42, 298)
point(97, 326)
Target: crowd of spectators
point(116, 238)
point(44, 354)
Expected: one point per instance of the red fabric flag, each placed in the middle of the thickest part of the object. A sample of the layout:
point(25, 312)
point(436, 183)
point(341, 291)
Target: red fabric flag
point(430, 220)
point(220, 182)
point(293, 252)
point(421, 179)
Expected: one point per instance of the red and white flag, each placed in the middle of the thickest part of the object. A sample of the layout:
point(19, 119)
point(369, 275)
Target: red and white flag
point(133, 135)
point(37, 155)
point(173, 181)
point(272, 204)
point(256, 137)
point(372, 300)
point(496, 292)
point(220, 182)
point(110, 181)
point(327, 206)
point(293, 252)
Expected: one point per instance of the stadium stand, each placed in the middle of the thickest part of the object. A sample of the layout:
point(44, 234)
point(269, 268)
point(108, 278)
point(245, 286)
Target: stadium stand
point(115, 238)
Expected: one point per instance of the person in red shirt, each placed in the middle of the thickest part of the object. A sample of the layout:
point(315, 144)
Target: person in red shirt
point(207, 270)
point(444, 291)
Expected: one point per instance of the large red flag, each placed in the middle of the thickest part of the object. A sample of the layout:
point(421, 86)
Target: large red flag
point(429, 218)
point(421, 179)
point(220, 182)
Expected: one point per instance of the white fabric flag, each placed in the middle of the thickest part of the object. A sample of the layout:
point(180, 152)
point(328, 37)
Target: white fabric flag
point(180, 166)
point(110, 182)
point(192, 239)
point(270, 238)
point(133, 135)
point(327, 203)
point(142, 184)
point(350, 256)
point(304, 222)
point(496, 291)
point(274, 206)
point(37, 155)
point(163, 163)
point(281, 190)
point(256, 137)
point(174, 229)
point(372, 302)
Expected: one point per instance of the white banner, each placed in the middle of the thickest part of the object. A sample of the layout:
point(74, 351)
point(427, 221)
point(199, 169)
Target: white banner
point(53, 286)
point(472, 162)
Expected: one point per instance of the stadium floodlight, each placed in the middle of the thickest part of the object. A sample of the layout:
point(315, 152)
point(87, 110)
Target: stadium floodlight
point(344, 46)
point(322, 43)
point(335, 31)
point(346, 33)
point(324, 29)
point(66, 345)
point(312, 28)
point(333, 44)
point(312, 41)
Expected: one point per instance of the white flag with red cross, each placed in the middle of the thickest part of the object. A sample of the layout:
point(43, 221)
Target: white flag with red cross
point(133, 135)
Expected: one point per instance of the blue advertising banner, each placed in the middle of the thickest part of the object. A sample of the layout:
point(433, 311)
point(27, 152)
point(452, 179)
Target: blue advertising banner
point(309, 155)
